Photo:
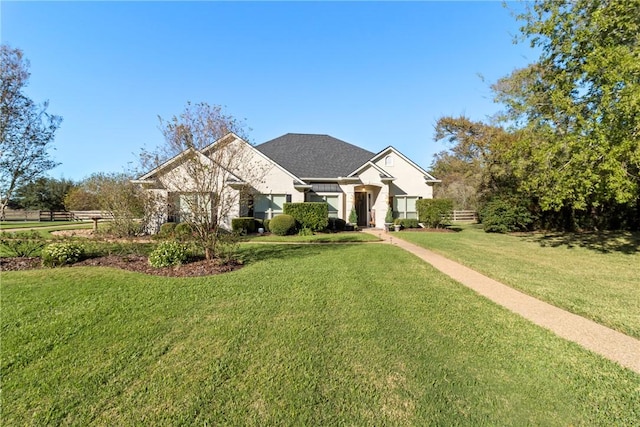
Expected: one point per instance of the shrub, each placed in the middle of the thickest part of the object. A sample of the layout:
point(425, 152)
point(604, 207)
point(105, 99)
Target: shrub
point(167, 229)
point(353, 216)
point(168, 254)
point(265, 224)
point(502, 215)
point(243, 225)
point(56, 254)
point(282, 225)
point(409, 223)
point(183, 231)
point(122, 228)
point(305, 232)
point(22, 243)
point(336, 224)
point(388, 218)
point(311, 215)
point(434, 212)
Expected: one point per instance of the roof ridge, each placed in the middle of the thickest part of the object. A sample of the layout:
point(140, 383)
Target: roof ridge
point(317, 155)
point(315, 134)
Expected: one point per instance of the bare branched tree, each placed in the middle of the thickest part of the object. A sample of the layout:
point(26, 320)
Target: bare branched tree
point(211, 172)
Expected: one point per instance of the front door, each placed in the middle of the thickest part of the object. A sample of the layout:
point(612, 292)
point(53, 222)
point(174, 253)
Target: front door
point(361, 208)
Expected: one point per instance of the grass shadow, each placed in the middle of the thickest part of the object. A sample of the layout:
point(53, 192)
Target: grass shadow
point(455, 228)
point(625, 242)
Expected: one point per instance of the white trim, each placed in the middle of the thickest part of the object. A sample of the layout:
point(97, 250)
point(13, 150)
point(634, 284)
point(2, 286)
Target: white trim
point(325, 179)
point(370, 163)
point(165, 165)
point(260, 153)
point(428, 177)
point(207, 148)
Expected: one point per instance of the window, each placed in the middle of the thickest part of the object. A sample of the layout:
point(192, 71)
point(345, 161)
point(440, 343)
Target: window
point(191, 207)
point(331, 200)
point(405, 206)
point(266, 206)
point(388, 161)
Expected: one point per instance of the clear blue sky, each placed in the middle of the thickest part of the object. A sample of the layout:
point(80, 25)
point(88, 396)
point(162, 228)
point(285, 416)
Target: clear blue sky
point(371, 73)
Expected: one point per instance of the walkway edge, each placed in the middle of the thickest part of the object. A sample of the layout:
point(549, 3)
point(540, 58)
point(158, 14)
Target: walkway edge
point(597, 338)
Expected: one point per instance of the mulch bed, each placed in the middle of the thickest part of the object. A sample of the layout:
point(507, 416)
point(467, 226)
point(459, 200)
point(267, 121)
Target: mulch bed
point(135, 263)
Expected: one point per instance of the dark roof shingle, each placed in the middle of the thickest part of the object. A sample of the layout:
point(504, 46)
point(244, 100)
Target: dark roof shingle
point(315, 156)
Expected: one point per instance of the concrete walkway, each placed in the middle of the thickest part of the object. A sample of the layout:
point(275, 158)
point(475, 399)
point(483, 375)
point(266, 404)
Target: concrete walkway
point(604, 341)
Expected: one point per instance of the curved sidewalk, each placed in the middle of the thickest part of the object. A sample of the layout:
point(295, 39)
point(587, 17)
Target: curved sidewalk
point(604, 341)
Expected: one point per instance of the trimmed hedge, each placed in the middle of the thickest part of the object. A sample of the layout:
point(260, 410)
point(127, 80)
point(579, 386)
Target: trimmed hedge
point(336, 224)
point(265, 224)
point(244, 225)
point(311, 215)
point(282, 224)
point(434, 212)
point(409, 223)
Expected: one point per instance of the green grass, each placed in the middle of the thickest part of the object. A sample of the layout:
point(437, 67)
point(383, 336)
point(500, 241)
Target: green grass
point(45, 228)
point(593, 275)
point(4, 225)
point(342, 237)
point(303, 335)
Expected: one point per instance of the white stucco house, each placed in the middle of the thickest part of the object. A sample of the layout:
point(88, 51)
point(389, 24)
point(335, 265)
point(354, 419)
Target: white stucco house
point(299, 168)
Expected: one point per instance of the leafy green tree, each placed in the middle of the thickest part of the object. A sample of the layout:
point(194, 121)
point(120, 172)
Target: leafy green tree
point(44, 194)
point(114, 194)
point(475, 166)
point(80, 199)
point(578, 107)
point(26, 129)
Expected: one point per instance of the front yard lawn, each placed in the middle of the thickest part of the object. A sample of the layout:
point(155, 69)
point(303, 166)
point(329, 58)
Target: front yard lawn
point(593, 275)
point(342, 237)
point(303, 335)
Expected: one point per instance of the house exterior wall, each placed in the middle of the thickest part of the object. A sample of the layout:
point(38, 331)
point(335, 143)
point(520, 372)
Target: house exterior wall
point(159, 214)
point(276, 181)
point(408, 180)
point(268, 179)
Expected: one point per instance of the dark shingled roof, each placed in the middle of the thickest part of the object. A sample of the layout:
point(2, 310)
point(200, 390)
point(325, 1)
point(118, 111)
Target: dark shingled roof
point(315, 156)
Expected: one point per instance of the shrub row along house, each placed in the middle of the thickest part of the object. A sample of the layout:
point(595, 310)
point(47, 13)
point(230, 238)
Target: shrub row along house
point(231, 178)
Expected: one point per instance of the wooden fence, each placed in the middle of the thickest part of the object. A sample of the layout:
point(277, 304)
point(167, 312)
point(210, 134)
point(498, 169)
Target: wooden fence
point(21, 215)
point(464, 216)
point(31, 215)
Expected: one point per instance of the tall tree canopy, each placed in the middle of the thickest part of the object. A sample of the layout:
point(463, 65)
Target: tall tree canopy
point(44, 193)
point(578, 106)
point(471, 168)
point(26, 129)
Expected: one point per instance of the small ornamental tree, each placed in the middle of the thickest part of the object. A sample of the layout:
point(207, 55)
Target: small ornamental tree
point(353, 217)
point(215, 169)
point(388, 218)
